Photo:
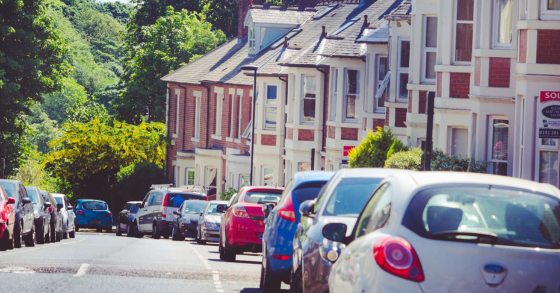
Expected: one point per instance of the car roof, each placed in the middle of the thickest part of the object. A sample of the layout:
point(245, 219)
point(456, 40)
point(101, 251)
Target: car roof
point(58, 195)
point(370, 172)
point(34, 187)
point(309, 176)
point(133, 202)
point(219, 201)
point(85, 200)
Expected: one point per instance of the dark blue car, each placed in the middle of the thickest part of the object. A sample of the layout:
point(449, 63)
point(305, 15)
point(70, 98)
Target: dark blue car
point(281, 224)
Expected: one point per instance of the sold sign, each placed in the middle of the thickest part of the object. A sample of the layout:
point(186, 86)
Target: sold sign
point(550, 96)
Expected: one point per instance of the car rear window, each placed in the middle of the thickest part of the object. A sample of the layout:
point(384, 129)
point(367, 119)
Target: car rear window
point(308, 191)
point(94, 205)
point(32, 194)
point(262, 196)
point(133, 209)
point(195, 207)
point(176, 199)
point(59, 200)
point(10, 189)
point(350, 196)
point(516, 217)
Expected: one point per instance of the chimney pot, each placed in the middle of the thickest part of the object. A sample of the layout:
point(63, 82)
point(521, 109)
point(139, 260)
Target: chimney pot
point(366, 23)
point(324, 33)
point(286, 42)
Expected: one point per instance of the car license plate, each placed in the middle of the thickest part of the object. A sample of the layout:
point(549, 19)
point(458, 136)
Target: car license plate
point(95, 222)
point(260, 237)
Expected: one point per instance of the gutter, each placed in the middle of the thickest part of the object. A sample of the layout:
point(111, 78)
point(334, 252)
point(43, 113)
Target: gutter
point(184, 116)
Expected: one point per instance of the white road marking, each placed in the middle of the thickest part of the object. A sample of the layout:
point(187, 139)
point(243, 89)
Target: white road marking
point(215, 274)
point(82, 271)
point(17, 270)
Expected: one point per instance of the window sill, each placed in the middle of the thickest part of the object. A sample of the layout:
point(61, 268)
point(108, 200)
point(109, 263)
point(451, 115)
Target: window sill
point(175, 136)
point(230, 139)
point(237, 140)
point(194, 139)
point(215, 136)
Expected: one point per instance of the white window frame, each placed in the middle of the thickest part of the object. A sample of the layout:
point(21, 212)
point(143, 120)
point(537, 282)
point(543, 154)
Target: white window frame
point(489, 142)
point(197, 117)
point(239, 122)
point(334, 94)
point(454, 45)
point(232, 114)
point(231, 181)
point(303, 98)
point(379, 81)
point(496, 26)
point(219, 102)
point(178, 113)
point(253, 44)
point(263, 172)
point(402, 70)
point(548, 14)
point(345, 97)
point(266, 105)
point(426, 50)
point(187, 171)
point(241, 180)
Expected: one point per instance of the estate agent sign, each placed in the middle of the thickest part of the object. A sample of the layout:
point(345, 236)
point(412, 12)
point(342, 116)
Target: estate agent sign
point(548, 114)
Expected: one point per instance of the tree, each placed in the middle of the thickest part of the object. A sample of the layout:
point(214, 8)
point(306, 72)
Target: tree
point(32, 173)
point(409, 160)
point(89, 111)
point(174, 40)
point(223, 15)
point(31, 64)
point(134, 181)
point(43, 129)
point(372, 151)
point(57, 105)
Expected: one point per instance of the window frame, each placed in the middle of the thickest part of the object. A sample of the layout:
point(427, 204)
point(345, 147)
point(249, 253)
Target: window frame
point(450, 139)
point(426, 50)
point(240, 120)
point(187, 171)
point(231, 133)
point(490, 146)
point(546, 14)
point(379, 81)
point(334, 94)
point(263, 173)
point(177, 115)
point(303, 98)
point(241, 179)
point(402, 70)
point(496, 27)
point(356, 95)
point(455, 22)
point(252, 38)
point(197, 117)
point(219, 112)
point(266, 105)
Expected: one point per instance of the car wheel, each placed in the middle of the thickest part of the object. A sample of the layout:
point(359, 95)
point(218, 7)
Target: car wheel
point(136, 232)
point(198, 240)
point(270, 283)
point(41, 235)
point(30, 238)
point(129, 230)
point(221, 250)
point(65, 233)
point(48, 235)
point(72, 233)
point(155, 232)
point(229, 254)
point(17, 236)
point(4, 242)
point(53, 233)
point(119, 232)
point(296, 282)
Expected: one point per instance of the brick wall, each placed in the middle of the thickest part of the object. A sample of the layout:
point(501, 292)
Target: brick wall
point(548, 46)
point(387, 118)
point(306, 134)
point(400, 117)
point(349, 133)
point(477, 61)
point(522, 46)
point(499, 72)
point(332, 132)
point(422, 101)
point(459, 86)
point(378, 123)
point(438, 87)
point(268, 139)
point(289, 133)
point(409, 101)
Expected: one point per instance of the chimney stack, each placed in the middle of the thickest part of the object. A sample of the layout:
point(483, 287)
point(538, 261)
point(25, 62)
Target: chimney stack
point(366, 23)
point(324, 33)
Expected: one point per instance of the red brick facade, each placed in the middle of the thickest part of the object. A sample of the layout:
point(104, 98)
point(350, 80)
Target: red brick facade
point(289, 133)
point(548, 46)
point(378, 123)
point(499, 72)
point(422, 101)
point(459, 85)
point(349, 133)
point(268, 139)
point(522, 46)
point(477, 64)
point(400, 117)
point(306, 134)
point(409, 101)
point(439, 82)
point(332, 132)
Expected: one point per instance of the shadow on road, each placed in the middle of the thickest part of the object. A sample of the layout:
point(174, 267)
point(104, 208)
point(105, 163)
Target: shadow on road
point(237, 261)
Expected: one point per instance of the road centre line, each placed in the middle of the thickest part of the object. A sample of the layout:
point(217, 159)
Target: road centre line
point(82, 271)
point(215, 273)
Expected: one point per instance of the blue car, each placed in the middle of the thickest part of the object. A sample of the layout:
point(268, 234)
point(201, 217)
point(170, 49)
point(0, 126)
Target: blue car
point(93, 214)
point(281, 224)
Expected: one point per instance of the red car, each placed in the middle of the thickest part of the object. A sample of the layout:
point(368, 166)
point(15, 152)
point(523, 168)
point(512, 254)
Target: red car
point(7, 220)
point(242, 224)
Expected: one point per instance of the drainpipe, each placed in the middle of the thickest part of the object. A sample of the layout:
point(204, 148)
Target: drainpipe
point(184, 116)
point(207, 113)
point(325, 112)
point(285, 116)
point(167, 129)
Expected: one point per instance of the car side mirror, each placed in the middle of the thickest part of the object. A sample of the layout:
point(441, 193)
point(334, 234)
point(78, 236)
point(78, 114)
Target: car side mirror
point(59, 206)
point(266, 209)
point(124, 211)
point(307, 208)
point(201, 214)
point(47, 204)
point(221, 208)
point(11, 200)
point(26, 201)
point(177, 213)
point(335, 231)
point(69, 207)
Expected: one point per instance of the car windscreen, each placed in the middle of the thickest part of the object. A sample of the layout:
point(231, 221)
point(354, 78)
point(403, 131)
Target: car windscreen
point(59, 199)
point(194, 207)
point(516, 217)
point(176, 199)
point(133, 209)
point(32, 194)
point(350, 196)
point(212, 209)
point(94, 205)
point(10, 189)
point(308, 191)
point(262, 196)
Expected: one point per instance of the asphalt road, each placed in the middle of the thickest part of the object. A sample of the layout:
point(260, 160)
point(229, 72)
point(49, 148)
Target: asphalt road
point(103, 262)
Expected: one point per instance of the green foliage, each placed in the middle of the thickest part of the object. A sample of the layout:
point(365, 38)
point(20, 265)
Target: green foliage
point(119, 10)
point(409, 160)
point(31, 64)
point(444, 162)
point(133, 182)
point(43, 129)
point(223, 15)
point(396, 147)
point(228, 193)
point(372, 151)
point(58, 104)
point(32, 173)
point(89, 111)
point(174, 40)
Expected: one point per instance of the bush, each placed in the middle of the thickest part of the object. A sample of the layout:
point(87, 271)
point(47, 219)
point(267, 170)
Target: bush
point(372, 151)
point(228, 193)
point(444, 162)
point(133, 183)
point(408, 160)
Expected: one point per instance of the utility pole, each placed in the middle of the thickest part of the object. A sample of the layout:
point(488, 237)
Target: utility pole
point(429, 132)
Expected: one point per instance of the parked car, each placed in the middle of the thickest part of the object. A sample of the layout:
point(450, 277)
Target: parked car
point(68, 217)
point(24, 215)
point(42, 215)
point(55, 234)
point(93, 214)
point(242, 225)
point(342, 200)
point(281, 224)
point(209, 223)
point(7, 219)
point(126, 218)
point(452, 232)
point(185, 222)
point(156, 216)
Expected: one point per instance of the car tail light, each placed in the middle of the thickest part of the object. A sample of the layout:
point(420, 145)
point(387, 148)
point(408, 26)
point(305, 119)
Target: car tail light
point(396, 256)
point(240, 212)
point(281, 256)
point(287, 210)
point(80, 212)
point(163, 206)
point(109, 214)
point(50, 209)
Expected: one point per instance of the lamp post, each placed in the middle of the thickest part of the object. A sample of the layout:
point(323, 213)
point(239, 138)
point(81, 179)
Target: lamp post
point(253, 68)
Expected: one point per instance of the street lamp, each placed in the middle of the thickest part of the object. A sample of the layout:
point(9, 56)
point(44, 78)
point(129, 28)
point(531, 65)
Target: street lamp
point(253, 68)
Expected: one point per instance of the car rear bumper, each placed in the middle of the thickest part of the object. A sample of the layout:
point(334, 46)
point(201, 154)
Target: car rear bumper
point(84, 222)
point(164, 227)
point(209, 235)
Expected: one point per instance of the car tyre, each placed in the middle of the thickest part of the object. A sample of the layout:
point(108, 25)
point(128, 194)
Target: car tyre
point(118, 232)
point(296, 281)
point(269, 282)
point(129, 230)
point(221, 250)
point(17, 236)
point(136, 232)
point(30, 238)
point(53, 233)
point(6, 243)
point(198, 240)
point(65, 233)
point(229, 254)
point(48, 235)
point(155, 232)
point(41, 235)
point(72, 233)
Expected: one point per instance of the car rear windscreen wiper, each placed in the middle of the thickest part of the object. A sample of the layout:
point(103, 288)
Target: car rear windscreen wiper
point(477, 237)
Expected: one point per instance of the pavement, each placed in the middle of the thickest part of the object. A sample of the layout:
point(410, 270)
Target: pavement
point(103, 262)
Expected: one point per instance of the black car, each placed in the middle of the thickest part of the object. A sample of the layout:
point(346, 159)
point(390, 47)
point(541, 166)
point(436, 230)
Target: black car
point(55, 230)
point(41, 214)
point(185, 222)
point(24, 214)
point(126, 218)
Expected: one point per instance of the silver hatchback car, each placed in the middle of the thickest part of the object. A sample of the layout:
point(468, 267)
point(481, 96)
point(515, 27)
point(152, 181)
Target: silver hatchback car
point(452, 232)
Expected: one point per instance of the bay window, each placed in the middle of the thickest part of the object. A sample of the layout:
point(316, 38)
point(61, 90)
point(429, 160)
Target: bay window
point(402, 76)
point(382, 69)
point(270, 107)
point(352, 93)
point(334, 95)
point(308, 103)
point(464, 30)
point(503, 23)
point(498, 146)
point(429, 49)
